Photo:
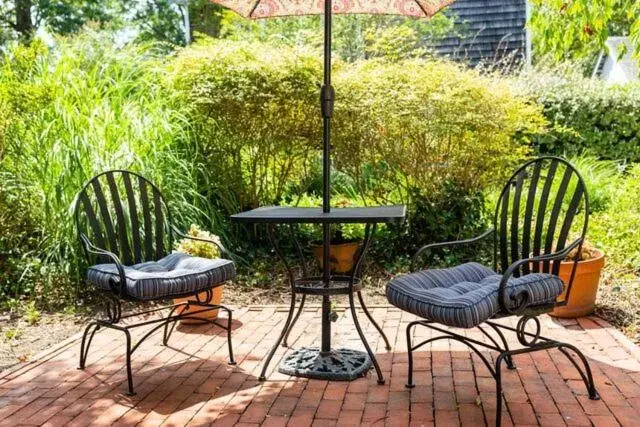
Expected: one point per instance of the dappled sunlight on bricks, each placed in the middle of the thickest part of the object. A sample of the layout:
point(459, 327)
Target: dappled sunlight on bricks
point(190, 383)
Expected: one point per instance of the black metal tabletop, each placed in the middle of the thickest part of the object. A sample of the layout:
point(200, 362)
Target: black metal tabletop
point(288, 214)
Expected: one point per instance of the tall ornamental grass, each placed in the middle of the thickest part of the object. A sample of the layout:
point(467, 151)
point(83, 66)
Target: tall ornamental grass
point(71, 111)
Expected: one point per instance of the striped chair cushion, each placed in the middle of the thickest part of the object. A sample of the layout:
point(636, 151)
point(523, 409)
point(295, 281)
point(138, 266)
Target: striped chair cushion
point(175, 275)
point(466, 295)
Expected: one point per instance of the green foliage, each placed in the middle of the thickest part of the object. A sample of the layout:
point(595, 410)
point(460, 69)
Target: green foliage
point(199, 248)
point(570, 30)
point(79, 109)
point(410, 126)
point(601, 177)
point(616, 230)
point(447, 214)
point(31, 314)
point(159, 20)
point(254, 114)
point(586, 115)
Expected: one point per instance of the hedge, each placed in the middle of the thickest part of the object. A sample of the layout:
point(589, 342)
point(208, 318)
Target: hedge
point(587, 116)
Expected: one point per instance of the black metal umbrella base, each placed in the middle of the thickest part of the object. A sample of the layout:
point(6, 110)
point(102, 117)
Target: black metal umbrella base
point(341, 364)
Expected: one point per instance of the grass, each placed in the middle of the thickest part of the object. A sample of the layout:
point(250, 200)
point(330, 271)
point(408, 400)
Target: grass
point(113, 111)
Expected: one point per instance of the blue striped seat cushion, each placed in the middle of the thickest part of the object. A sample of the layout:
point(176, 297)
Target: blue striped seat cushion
point(177, 274)
point(466, 295)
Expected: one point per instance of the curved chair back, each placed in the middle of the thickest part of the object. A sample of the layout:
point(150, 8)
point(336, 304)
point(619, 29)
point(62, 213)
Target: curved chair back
point(542, 208)
point(124, 213)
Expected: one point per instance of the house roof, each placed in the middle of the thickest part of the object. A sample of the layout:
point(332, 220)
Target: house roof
point(490, 29)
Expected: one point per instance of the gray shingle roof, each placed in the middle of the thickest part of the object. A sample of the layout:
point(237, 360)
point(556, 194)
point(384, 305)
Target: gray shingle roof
point(490, 29)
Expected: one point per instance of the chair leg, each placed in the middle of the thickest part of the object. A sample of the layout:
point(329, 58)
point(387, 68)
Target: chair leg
point(508, 359)
point(168, 330)
point(128, 362)
point(85, 344)
point(371, 319)
point(410, 383)
point(228, 328)
point(498, 377)
point(587, 376)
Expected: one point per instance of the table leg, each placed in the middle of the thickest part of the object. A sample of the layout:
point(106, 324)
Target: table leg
point(292, 307)
point(368, 235)
point(335, 364)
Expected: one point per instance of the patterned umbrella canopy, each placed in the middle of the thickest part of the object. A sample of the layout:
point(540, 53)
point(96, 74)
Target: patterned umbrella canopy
point(256, 9)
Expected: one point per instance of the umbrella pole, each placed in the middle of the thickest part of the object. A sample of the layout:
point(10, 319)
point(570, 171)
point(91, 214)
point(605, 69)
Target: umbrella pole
point(327, 96)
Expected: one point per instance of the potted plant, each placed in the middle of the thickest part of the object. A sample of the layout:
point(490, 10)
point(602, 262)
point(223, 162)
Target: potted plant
point(585, 283)
point(346, 241)
point(202, 250)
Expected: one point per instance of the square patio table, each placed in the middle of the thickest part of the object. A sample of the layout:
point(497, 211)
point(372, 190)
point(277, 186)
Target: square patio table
point(324, 362)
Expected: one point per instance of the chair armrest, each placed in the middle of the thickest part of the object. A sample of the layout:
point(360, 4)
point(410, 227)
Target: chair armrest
point(431, 246)
point(223, 251)
point(523, 298)
point(93, 249)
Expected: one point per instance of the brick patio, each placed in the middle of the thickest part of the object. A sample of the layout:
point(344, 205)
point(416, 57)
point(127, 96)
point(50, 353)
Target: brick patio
point(190, 382)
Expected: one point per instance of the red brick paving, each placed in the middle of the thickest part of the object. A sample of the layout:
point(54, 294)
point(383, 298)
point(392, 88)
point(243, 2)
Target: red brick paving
point(189, 383)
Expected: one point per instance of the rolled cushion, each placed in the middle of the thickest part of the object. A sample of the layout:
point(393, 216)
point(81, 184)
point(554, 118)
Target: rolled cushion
point(177, 274)
point(467, 295)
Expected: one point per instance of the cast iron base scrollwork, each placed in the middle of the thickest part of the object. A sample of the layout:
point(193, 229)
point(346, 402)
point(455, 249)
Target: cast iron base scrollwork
point(530, 341)
point(339, 365)
point(114, 316)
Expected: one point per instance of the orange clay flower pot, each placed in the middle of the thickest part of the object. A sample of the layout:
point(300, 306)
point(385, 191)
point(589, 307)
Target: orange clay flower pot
point(216, 298)
point(584, 289)
point(341, 255)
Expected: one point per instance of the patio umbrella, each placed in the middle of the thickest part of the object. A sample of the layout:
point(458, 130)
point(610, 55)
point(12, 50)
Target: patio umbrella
point(259, 9)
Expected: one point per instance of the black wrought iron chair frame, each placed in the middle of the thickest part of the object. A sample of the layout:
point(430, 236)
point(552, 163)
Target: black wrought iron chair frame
point(112, 301)
point(548, 262)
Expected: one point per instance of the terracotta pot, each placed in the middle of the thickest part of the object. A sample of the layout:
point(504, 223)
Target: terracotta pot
point(341, 255)
point(584, 289)
point(202, 296)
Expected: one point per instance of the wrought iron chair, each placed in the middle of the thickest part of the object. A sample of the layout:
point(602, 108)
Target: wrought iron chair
point(124, 223)
point(542, 204)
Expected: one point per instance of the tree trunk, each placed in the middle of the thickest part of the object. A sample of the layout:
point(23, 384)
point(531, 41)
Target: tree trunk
point(205, 18)
point(24, 23)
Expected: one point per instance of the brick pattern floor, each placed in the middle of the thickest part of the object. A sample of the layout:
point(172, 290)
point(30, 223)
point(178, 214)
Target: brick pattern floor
point(189, 382)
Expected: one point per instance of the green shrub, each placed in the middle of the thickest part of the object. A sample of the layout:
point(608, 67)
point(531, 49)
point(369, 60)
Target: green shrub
point(75, 110)
point(586, 115)
point(432, 135)
point(254, 112)
point(616, 230)
point(411, 126)
point(601, 177)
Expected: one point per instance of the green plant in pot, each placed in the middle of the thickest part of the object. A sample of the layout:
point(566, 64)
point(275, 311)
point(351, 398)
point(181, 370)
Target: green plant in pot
point(346, 239)
point(203, 250)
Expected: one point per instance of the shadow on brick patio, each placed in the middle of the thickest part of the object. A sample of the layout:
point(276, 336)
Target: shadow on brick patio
point(191, 383)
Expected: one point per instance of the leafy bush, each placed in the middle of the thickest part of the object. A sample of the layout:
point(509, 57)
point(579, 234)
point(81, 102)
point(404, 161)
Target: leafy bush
point(586, 115)
point(616, 230)
point(412, 125)
point(254, 114)
point(431, 135)
point(83, 107)
point(601, 177)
